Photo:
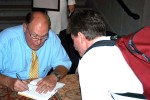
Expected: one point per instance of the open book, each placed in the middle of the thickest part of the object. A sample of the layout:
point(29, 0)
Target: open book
point(31, 93)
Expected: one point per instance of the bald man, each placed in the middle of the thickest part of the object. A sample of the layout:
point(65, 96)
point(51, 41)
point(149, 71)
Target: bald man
point(16, 46)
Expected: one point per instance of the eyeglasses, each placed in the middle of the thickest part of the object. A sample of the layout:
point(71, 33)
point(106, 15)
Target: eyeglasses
point(35, 36)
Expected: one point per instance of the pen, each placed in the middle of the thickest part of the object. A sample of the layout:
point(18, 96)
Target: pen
point(18, 76)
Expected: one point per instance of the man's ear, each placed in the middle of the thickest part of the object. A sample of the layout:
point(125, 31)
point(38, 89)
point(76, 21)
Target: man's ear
point(24, 27)
point(81, 36)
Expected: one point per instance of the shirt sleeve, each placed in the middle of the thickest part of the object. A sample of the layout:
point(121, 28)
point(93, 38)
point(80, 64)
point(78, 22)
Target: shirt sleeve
point(59, 57)
point(1, 58)
point(3, 51)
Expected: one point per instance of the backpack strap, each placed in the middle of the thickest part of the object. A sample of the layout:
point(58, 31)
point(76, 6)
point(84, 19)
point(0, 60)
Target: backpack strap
point(133, 48)
point(102, 43)
point(132, 95)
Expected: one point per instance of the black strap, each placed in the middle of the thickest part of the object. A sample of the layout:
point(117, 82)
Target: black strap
point(102, 43)
point(132, 95)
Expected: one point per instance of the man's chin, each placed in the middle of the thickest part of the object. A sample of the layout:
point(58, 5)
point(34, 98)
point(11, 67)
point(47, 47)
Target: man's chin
point(35, 48)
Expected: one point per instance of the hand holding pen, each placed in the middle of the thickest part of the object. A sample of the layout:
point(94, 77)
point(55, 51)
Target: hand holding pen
point(20, 84)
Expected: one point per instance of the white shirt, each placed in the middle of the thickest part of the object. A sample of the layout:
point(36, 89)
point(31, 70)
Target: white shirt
point(59, 19)
point(103, 71)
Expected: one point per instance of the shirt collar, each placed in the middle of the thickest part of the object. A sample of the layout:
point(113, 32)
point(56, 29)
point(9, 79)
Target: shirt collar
point(101, 38)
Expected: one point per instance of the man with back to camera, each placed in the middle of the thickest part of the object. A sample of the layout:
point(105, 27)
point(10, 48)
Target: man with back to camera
point(103, 72)
point(18, 45)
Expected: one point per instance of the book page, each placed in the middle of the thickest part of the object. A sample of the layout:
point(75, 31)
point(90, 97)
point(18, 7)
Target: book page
point(35, 95)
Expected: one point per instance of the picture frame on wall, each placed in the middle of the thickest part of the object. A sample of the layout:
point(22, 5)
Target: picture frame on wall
point(51, 5)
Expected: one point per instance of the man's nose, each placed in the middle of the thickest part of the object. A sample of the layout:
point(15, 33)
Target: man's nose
point(38, 42)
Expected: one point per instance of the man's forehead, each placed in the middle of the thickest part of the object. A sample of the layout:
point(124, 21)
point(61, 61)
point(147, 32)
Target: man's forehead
point(39, 16)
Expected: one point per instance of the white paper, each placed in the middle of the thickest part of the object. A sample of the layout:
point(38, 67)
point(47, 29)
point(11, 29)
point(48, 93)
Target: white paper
point(31, 93)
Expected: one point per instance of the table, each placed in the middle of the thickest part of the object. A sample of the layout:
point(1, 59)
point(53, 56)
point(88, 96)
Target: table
point(71, 91)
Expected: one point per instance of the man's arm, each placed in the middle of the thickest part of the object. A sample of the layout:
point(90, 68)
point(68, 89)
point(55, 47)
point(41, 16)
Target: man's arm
point(4, 80)
point(61, 71)
point(13, 83)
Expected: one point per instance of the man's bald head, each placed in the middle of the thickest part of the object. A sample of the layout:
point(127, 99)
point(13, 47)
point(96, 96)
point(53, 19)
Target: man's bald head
point(36, 16)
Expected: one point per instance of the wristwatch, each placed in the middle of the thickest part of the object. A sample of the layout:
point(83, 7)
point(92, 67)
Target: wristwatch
point(56, 74)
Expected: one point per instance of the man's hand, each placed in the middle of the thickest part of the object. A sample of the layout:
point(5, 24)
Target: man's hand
point(47, 84)
point(17, 85)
